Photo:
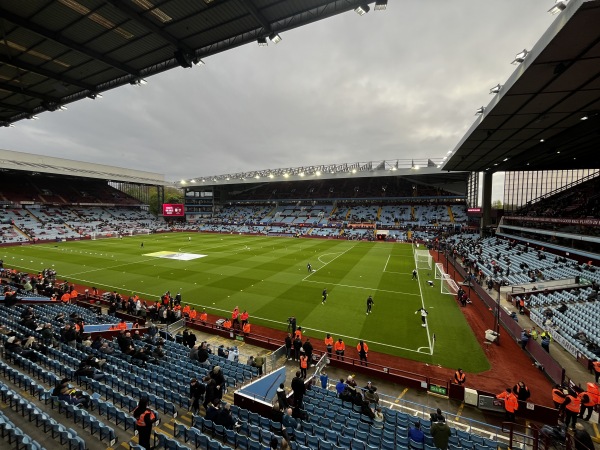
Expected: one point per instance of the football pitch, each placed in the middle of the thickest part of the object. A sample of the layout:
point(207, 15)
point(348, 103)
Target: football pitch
point(269, 277)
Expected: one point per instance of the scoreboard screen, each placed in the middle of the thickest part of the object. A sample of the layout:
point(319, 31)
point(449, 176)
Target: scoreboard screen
point(173, 210)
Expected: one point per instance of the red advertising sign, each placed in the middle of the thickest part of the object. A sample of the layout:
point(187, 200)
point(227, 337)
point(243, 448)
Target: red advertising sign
point(173, 210)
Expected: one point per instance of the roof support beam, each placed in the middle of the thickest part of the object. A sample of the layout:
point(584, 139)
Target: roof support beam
point(16, 108)
point(28, 93)
point(56, 37)
point(149, 24)
point(47, 73)
point(253, 10)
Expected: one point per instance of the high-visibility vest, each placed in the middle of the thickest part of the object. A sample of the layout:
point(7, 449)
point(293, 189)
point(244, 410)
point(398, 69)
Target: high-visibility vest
point(596, 365)
point(227, 324)
point(304, 362)
point(245, 316)
point(203, 317)
point(592, 390)
point(340, 346)
point(298, 334)
point(141, 422)
point(590, 400)
point(365, 348)
point(246, 328)
point(574, 405)
point(511, 404)
point(459, 377)
point(193, 314)
point(66, 298)
point(235, 314)
point(558, 396)
point(329, 342)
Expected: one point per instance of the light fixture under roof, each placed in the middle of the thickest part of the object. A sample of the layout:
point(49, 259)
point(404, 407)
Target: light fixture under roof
point(262, 42)
point(353, 170)
point(520, 57)
point(480, 111)
point(318, 173)
point(505, 159)
point(361, 10)
point(95, 95)
point(275, 38)
point(496, 89)
point(380, 5)
point(558, 7)
point(138, 82)
point(584, 117)
point(271, 175)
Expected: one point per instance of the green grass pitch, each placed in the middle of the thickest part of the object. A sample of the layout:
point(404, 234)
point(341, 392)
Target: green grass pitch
point(268, 276)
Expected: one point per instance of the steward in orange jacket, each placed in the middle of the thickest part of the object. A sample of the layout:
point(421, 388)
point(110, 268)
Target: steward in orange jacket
point(459, 377)
point(203, 317)
point(340, 348)
point(558, 396)
point(572, 407)
point(329, 344)
point(246, 328)
point(363, 349)
point(511, 404)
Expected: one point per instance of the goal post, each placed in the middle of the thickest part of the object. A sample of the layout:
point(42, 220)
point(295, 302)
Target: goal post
point(439, 271)
point(423, 259)
point(448, 285)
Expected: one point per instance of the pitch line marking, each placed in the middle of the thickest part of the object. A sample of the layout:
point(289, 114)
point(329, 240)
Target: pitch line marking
point(325, 264)
point(313, 329)
point(360, 287)
point(426, 320)
point(386, 263)
point(107, 268)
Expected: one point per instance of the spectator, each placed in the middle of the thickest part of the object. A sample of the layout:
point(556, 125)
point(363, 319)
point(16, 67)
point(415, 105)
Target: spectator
point(378, 417)
point(340, 387)
point(197, 391)
point(324, 378)
point(225, 418)
point(282, 397)
point(371, 395)
point(299, 389)
point(416, 434)
point(440, 431)
point(288, 421)
point(583, 440)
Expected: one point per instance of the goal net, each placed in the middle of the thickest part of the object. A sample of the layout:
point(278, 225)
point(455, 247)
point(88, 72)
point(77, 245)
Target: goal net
point(423, 259)
point(439, 271)
point(448, 285)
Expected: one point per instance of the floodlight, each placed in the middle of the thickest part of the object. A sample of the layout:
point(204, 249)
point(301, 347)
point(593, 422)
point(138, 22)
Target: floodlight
point(275, 38)
point(61, 108)
point(362, 9)
point(496, 89)
point(182, 181)
point(584, 117)
point(380, 5)
point(558, 7)
point(94, 95)
point(353, 170)
point(138, 82)
point(262, 42)
point(285, 175)
point(301, 174)
point(480, 111)
point(33, 117)
point(271, 175)
point(520, 57)
point(318, 173)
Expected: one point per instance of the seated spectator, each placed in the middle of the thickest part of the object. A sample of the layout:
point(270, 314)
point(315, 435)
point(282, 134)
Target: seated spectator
point(416, 434)
point(276, 413)
point(371, 395)
point(225, 418)
point(288, 421)
point(213, 409)
point(437, 416)
point(340, 387)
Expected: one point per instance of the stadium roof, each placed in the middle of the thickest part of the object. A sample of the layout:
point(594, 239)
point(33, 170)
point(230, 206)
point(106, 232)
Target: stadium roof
point(427, 171)
point(547, 114)
point(59, 51)
point(17, 161)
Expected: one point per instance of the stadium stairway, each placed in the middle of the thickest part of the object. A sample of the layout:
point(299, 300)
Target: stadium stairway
point(21, 232)
point(450, 213)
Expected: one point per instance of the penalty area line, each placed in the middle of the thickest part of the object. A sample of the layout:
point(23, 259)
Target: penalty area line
point(324, 332)
point(360, 287)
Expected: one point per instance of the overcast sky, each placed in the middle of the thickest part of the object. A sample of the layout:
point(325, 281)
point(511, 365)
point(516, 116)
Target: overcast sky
point(397, 84)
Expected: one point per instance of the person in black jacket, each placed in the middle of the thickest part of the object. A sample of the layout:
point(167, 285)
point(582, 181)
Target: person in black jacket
point(288, 346)
point(308, 349)
point(225, 418)
point(299, 389)
point(297, 346)
point(197, 391)
point(211, 391)
point(217, 375)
